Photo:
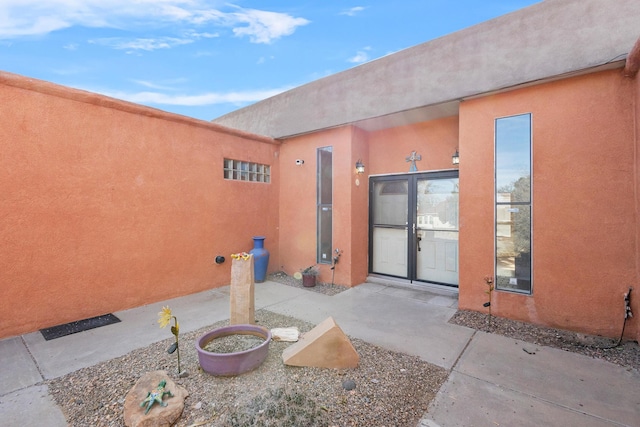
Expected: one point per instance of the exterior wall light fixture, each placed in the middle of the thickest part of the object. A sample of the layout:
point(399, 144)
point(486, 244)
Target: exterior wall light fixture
point(455, 159)
point(359, 166)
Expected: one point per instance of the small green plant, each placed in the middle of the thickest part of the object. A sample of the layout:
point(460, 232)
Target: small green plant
point(164, 318)
point(279, 408)
point(310, 271)
point(489, 281)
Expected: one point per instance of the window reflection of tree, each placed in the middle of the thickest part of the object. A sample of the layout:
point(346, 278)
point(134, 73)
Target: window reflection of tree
point(439, 199)
point(520, 191)
point(514, 243)
point(393, 188)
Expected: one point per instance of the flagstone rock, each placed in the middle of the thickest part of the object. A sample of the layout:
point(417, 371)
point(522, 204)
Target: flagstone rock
point(158, 416)
point(325, 346)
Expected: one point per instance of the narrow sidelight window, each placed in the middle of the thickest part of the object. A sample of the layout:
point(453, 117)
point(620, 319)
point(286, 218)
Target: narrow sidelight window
point(324, 205)
point(513, 204)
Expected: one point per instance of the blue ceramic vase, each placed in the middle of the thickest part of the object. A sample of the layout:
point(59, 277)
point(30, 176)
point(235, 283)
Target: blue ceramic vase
point(260, 259)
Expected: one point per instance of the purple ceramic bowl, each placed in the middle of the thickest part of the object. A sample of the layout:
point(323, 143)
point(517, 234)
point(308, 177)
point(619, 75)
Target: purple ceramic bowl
point(229, 364)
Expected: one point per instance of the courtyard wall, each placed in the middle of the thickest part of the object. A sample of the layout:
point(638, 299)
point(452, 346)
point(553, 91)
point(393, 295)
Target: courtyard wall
point(108, 205)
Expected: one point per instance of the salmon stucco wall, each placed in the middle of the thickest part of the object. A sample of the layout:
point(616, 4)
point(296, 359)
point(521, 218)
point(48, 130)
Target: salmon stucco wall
point(107, 205)
point(436, 141)
point(298, 220)
point(358, 230)
point(382, 152)
point(635, 298)
point(584, 212)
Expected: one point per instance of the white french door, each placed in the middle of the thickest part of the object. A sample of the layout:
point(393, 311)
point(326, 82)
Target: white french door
point(414, 227)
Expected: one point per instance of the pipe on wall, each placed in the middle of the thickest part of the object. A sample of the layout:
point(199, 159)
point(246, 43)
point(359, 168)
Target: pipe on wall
point(632, 64)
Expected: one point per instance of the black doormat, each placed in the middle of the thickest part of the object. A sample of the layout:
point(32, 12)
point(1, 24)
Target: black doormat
point(78, 326)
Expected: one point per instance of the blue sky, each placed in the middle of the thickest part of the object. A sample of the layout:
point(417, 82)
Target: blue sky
point(205, 58)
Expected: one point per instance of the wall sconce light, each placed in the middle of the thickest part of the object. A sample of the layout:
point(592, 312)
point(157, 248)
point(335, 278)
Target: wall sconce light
point(359, 166)
point(455, 159)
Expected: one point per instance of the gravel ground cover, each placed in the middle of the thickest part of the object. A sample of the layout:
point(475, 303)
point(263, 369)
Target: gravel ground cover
point(320, 287)
point(233, 343)
point(627, 354)
point(386, 389)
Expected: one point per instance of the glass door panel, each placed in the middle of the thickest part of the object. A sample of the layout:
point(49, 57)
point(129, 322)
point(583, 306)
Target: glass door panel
point(437, 230)
point(414, 227)
point(389, 227)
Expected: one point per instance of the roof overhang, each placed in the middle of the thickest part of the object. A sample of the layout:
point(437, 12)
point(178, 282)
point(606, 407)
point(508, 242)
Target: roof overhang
point(450, 108)
point(550, 40)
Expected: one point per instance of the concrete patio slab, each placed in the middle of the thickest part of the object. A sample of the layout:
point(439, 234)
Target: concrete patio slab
point(465, 401)
point(421, 295)
point(32, 406)
point(18, 369)
point(410, 325)
point(573, 381)
point(493, 381)
point(269, 293)
point(502, 381)
point(138, 328)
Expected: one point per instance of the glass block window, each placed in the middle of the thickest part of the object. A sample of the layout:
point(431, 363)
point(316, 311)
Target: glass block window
point(246, 171)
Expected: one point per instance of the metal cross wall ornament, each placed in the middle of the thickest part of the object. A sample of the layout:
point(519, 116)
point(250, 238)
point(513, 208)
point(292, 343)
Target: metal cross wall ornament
point(413, 158)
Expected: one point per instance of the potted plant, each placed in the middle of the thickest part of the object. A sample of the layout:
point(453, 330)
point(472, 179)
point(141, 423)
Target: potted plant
point(309, 276)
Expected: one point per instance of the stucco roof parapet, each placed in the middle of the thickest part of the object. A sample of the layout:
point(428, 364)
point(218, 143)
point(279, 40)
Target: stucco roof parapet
point(27, 83)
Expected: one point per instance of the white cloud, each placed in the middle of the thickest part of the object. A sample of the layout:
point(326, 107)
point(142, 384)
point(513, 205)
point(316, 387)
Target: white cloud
point(148, 44)
point(263, 59)
point(361, 56)
point(151, 85)
point(353, 11)
point(157, 98)
point(196, 35)
point(10, 27)
point(39, 17)
point(265, 27)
